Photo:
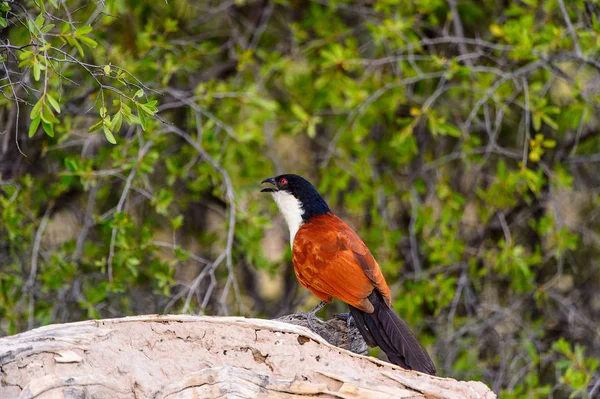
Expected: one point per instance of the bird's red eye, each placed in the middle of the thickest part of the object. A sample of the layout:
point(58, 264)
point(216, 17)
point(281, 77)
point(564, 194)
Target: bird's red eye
point(283, 181)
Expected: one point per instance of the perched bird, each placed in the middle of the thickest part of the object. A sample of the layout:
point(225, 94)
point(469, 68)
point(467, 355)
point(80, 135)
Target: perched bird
point(332, 261)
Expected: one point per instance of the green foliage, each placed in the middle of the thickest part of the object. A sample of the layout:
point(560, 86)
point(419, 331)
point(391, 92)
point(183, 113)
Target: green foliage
point(576, 370)
point(466, 161)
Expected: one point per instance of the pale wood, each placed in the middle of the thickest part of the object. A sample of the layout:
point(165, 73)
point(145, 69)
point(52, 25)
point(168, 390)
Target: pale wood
point(179, 356)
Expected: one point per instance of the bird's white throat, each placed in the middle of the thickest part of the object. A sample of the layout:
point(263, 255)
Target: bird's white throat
point(292, 211)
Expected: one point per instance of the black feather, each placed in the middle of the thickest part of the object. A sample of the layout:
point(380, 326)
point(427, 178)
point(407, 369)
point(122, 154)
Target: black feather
point(384, 328)
point(359, 318)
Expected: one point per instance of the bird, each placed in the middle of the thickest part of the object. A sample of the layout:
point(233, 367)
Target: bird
point(331, 261)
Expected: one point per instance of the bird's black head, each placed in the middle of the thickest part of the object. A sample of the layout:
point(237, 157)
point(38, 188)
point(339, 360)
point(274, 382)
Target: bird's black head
point(296, 197)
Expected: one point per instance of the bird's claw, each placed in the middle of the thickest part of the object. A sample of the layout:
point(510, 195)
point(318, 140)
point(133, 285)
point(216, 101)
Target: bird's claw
point(311, 315)
point(344, 316)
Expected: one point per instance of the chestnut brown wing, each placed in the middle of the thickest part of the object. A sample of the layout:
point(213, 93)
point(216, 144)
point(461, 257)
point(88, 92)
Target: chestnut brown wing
point(331, 260)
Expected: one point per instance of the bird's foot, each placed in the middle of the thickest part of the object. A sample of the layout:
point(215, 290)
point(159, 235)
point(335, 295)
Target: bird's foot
point(311, 315)
point(318, 307)
point(302, 314)
point(344, 316)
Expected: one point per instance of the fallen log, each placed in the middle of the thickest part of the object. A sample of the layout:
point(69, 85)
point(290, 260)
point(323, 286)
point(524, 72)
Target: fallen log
point(179, 356)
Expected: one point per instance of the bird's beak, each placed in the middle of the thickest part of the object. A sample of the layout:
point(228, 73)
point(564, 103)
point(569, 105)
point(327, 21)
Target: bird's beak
point(269, 189)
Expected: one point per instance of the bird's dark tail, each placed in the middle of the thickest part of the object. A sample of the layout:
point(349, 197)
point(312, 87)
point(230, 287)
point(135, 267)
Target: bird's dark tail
point(384, 328)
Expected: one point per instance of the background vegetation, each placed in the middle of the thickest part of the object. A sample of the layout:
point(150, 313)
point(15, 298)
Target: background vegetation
point(459, 137)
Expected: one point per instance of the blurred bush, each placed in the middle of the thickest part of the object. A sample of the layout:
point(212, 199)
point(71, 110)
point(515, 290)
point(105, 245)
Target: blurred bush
point(460, 138)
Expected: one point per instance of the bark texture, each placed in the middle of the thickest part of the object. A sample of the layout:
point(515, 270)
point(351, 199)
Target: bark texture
point(178, 356)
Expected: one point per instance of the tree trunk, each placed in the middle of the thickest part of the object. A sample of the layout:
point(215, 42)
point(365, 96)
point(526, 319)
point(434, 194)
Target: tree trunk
point(178, 356)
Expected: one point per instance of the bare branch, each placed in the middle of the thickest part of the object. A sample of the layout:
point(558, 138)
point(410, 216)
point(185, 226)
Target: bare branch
point(565, 14)
point(142, 152)
point(28, 287)
point(458, 29)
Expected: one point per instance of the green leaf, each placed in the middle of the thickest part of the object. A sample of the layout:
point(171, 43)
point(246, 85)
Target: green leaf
point(31, 27)
point(150, 107)
point(39, 21)
point(33, 127)
point(107, 70)
point(96, 126)
point(47, 28)
point(534, 156)
point(299, 112)
point(3, 22)
point(36, 110)
point(449, 130)
point(142, 116)
point(48, 116)
point(25, 63)
point(550, 122)
point(181, 254)
point(79, 48)
point(72, 164)
point(148, 110)
point(127, 115)
point(84, 30)
point(312, 129)
point(53, 102)
point(107, 122)
point(117, 121)
point(134, 119)
point(25, 55)
point(108, 134)
point(88, 42)
point(139, 93)
point(48, 128)
point(177, 222)
point(163, 200)
point(537, 122)
point(37, 71)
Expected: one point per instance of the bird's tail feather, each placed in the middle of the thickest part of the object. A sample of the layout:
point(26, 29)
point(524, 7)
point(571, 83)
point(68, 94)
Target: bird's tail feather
point(384, 328)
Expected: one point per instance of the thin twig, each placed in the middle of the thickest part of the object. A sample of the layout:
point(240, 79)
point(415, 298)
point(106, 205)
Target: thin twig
point(229, 194)
point(458, 29)
point(570, 28)
point(195, 257)
point(36, 245)
point(355, 114)
point(88, 222)
point(527, 134)
point(18, 109)
point(505, 229)
point(119, 208)
point(414, 251)
point(34, 264)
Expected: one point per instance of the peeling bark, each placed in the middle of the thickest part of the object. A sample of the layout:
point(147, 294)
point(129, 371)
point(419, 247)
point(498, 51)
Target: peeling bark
point(179, 356)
